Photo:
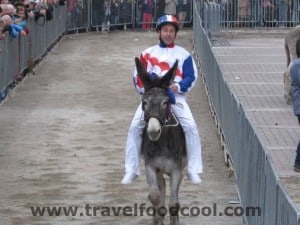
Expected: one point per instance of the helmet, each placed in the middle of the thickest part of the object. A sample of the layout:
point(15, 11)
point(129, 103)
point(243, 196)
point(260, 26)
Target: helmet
point(167, 19)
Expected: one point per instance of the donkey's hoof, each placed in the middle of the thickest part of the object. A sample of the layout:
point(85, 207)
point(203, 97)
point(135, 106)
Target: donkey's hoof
point(158, 221)
point(174, 220)
point(174, 209)
point(154, 198)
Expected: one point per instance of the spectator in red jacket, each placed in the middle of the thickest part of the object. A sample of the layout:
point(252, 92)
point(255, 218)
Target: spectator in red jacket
point(147, 10)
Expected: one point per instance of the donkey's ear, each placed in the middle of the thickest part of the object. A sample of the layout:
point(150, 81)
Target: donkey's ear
point(168, 78)
point(142, 73)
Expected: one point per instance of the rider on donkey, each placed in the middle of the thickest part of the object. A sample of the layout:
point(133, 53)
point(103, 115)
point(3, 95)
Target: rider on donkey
point(158, 59)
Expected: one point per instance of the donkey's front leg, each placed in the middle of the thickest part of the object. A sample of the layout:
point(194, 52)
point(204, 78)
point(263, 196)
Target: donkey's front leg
point(151, 176)
point(155, 194)
point(174, 206)
point(161, 209)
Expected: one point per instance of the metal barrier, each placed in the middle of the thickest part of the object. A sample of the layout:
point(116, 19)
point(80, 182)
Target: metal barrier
point(104, 15)
point(210, 15)
point(91, 14)
point(265, 13)
point(16, 54)
point(214, 27)
point(95, 14)
point(77, 11)
point(258, 186)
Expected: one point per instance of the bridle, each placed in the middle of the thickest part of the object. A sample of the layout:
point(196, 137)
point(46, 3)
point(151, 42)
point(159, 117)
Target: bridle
point(165, 122)
point(169, 116)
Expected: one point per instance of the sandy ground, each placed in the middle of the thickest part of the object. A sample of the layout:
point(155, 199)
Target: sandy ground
point(62, 137)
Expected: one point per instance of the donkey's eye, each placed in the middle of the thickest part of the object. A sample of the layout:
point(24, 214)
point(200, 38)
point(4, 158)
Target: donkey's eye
point(165, 103)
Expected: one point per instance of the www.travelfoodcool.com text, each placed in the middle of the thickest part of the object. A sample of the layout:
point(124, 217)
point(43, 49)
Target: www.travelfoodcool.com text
point(141, 210)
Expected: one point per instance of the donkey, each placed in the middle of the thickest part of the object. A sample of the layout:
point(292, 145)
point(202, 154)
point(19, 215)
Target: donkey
point(163, 145)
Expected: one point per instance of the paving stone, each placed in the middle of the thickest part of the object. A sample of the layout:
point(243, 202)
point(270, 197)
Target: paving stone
point(253, 69)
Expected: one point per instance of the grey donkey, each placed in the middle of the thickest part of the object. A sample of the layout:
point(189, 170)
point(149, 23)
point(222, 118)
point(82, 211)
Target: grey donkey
point(163, 145)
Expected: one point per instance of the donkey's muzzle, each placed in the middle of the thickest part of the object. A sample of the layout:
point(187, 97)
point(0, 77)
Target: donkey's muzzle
point(154, 129)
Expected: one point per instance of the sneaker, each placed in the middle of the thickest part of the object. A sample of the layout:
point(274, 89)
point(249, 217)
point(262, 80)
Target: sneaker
point(129, 178)
point(194, 178)
point(297, 168)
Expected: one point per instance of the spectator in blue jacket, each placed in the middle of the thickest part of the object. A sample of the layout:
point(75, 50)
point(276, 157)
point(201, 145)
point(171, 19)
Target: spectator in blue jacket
point(295, 91)
point(13, 29)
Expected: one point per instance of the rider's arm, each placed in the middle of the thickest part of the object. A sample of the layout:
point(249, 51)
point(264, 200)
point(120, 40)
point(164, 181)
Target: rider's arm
point(189, 71)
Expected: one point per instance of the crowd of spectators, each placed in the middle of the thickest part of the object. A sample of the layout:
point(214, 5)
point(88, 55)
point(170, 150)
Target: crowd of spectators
point(153, 9)
point(14, 15)
point(116, 14)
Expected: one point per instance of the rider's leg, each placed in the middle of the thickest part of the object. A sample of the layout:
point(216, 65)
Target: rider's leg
point(193, 142)
point(133, 147)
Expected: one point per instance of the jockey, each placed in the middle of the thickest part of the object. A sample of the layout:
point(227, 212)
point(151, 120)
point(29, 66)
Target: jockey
point(158, 59)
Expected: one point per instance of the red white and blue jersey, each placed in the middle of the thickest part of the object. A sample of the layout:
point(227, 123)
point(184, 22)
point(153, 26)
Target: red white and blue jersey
point(159, 59)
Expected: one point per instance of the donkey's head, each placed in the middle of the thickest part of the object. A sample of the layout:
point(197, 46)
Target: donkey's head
point(156, 100)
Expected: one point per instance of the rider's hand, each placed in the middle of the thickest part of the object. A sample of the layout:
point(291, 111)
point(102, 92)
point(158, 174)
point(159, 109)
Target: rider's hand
point(173, 88)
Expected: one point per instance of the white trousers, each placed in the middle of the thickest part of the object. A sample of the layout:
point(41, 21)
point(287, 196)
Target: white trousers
point(193, 143)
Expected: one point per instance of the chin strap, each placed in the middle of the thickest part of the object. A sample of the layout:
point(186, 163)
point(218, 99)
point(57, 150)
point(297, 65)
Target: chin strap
point(163, 45)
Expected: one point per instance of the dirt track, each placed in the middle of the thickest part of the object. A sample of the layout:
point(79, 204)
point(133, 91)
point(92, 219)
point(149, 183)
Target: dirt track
point(63, 131)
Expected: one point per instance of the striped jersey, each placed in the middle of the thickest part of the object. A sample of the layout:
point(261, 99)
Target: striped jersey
point(159, 59)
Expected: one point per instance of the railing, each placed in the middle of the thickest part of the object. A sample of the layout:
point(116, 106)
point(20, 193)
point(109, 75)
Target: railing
point(257, 183)
point(259, 13)
point(102, 15)
point(232, 14)
point(17, 53)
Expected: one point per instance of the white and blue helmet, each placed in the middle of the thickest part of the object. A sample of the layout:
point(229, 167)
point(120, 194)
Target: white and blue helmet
point(167, 19)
